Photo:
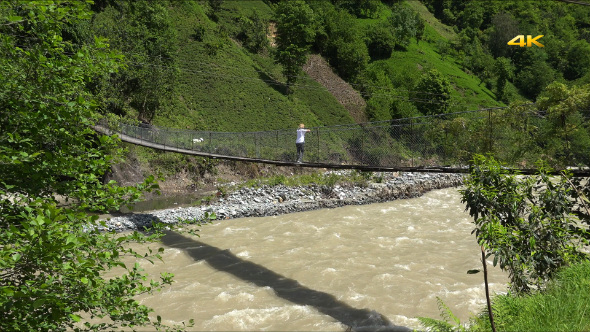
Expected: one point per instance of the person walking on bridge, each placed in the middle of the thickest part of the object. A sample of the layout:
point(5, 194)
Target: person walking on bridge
point(300, 142)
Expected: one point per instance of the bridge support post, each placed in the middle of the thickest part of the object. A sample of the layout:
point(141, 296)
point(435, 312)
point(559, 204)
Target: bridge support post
point(362, 146)
point(256, 150)
point(490, 130)
point(318, 135)
point(412, 145)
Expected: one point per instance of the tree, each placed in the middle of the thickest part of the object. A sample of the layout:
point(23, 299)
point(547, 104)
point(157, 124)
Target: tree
point(379, 41)
point(525, 222)
point(360, 8)
point(420, 26)
point(143, 31)
point(352, 59)
point(342, 42)
point(214, 9)
point(504, 71)
point(253, 33)
point(472, 16)
point(565, 133)
point(52, 259)
point(578, 60)
point(505, 27)
point(433, 93)
point(378, 94)
point(295, 32)
point(531, 80)
point(403, 24)
point(444, 48)
point(215, 5)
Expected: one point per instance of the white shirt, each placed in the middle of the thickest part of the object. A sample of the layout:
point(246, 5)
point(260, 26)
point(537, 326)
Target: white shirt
point(301, 135)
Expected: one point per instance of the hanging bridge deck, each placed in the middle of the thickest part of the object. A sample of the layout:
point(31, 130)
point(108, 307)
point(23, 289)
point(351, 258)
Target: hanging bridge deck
point(162, 147)
point(368, 168)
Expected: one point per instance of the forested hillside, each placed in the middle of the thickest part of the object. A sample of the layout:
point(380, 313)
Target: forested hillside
point(226, 66)
point(484, 28)
point(237, 65)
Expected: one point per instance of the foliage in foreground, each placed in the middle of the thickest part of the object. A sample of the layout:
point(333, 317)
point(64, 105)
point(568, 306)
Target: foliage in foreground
point(536, 228)
point(448, 323)
point(53, 258)
point(563, 306)
point(526, 223)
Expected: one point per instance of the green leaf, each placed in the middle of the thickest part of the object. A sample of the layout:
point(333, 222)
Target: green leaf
point(8, 291)
point(38, 303)
point(84, 280)
point(71, 239)
point(474, 271)
point(38, 221)
point(75, 318)
point(16, 257)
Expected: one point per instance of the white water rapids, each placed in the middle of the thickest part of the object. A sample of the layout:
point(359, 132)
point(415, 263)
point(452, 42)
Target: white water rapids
point(371, 267)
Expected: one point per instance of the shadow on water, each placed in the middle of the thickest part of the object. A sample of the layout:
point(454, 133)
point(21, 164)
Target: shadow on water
point(288, 289)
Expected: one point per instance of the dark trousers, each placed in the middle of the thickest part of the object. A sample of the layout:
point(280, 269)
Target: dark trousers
point(300, 150)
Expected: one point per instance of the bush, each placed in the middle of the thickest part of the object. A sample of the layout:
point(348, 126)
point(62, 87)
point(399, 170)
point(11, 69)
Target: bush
point(526, 223)
point(379, 41)
point(563, 306)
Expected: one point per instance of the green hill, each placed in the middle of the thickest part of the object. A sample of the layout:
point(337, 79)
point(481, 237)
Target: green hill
point(231, 89)
point(221, 86)
point(210, 64)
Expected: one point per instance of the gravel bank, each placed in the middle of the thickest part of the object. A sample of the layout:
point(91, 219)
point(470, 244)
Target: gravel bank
point(276, 200)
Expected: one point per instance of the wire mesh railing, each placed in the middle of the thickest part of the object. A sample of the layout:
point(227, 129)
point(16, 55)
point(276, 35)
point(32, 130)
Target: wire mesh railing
point(517, 135)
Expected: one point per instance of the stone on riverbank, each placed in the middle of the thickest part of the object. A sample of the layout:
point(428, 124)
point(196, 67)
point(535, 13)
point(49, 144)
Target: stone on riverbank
point(280, 199)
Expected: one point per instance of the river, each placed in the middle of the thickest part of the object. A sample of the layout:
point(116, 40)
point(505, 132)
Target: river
point(376, 266)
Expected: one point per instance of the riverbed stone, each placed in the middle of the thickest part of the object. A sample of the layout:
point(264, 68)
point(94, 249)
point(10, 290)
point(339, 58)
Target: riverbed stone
point(249, 202)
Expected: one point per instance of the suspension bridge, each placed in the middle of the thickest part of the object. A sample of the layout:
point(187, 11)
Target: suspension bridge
point(438, 144)
point(369, 168)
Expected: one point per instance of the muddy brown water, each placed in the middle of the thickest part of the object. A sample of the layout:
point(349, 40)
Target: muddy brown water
point(376, 266)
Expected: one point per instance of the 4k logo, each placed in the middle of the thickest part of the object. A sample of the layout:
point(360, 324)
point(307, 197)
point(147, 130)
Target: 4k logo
point(521, 41)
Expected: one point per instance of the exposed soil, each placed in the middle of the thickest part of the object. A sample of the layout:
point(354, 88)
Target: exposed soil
point(132, 172)
point(318, 69)
point(272, 34)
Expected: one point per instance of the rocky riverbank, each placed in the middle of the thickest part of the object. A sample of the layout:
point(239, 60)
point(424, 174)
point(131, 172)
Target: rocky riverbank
point(280, 199)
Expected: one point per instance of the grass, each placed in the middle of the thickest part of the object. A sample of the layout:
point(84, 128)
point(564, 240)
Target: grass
point(563, 306)
point(230, 89)
point(441, 29)
point(317, 178)
point(420, 56)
